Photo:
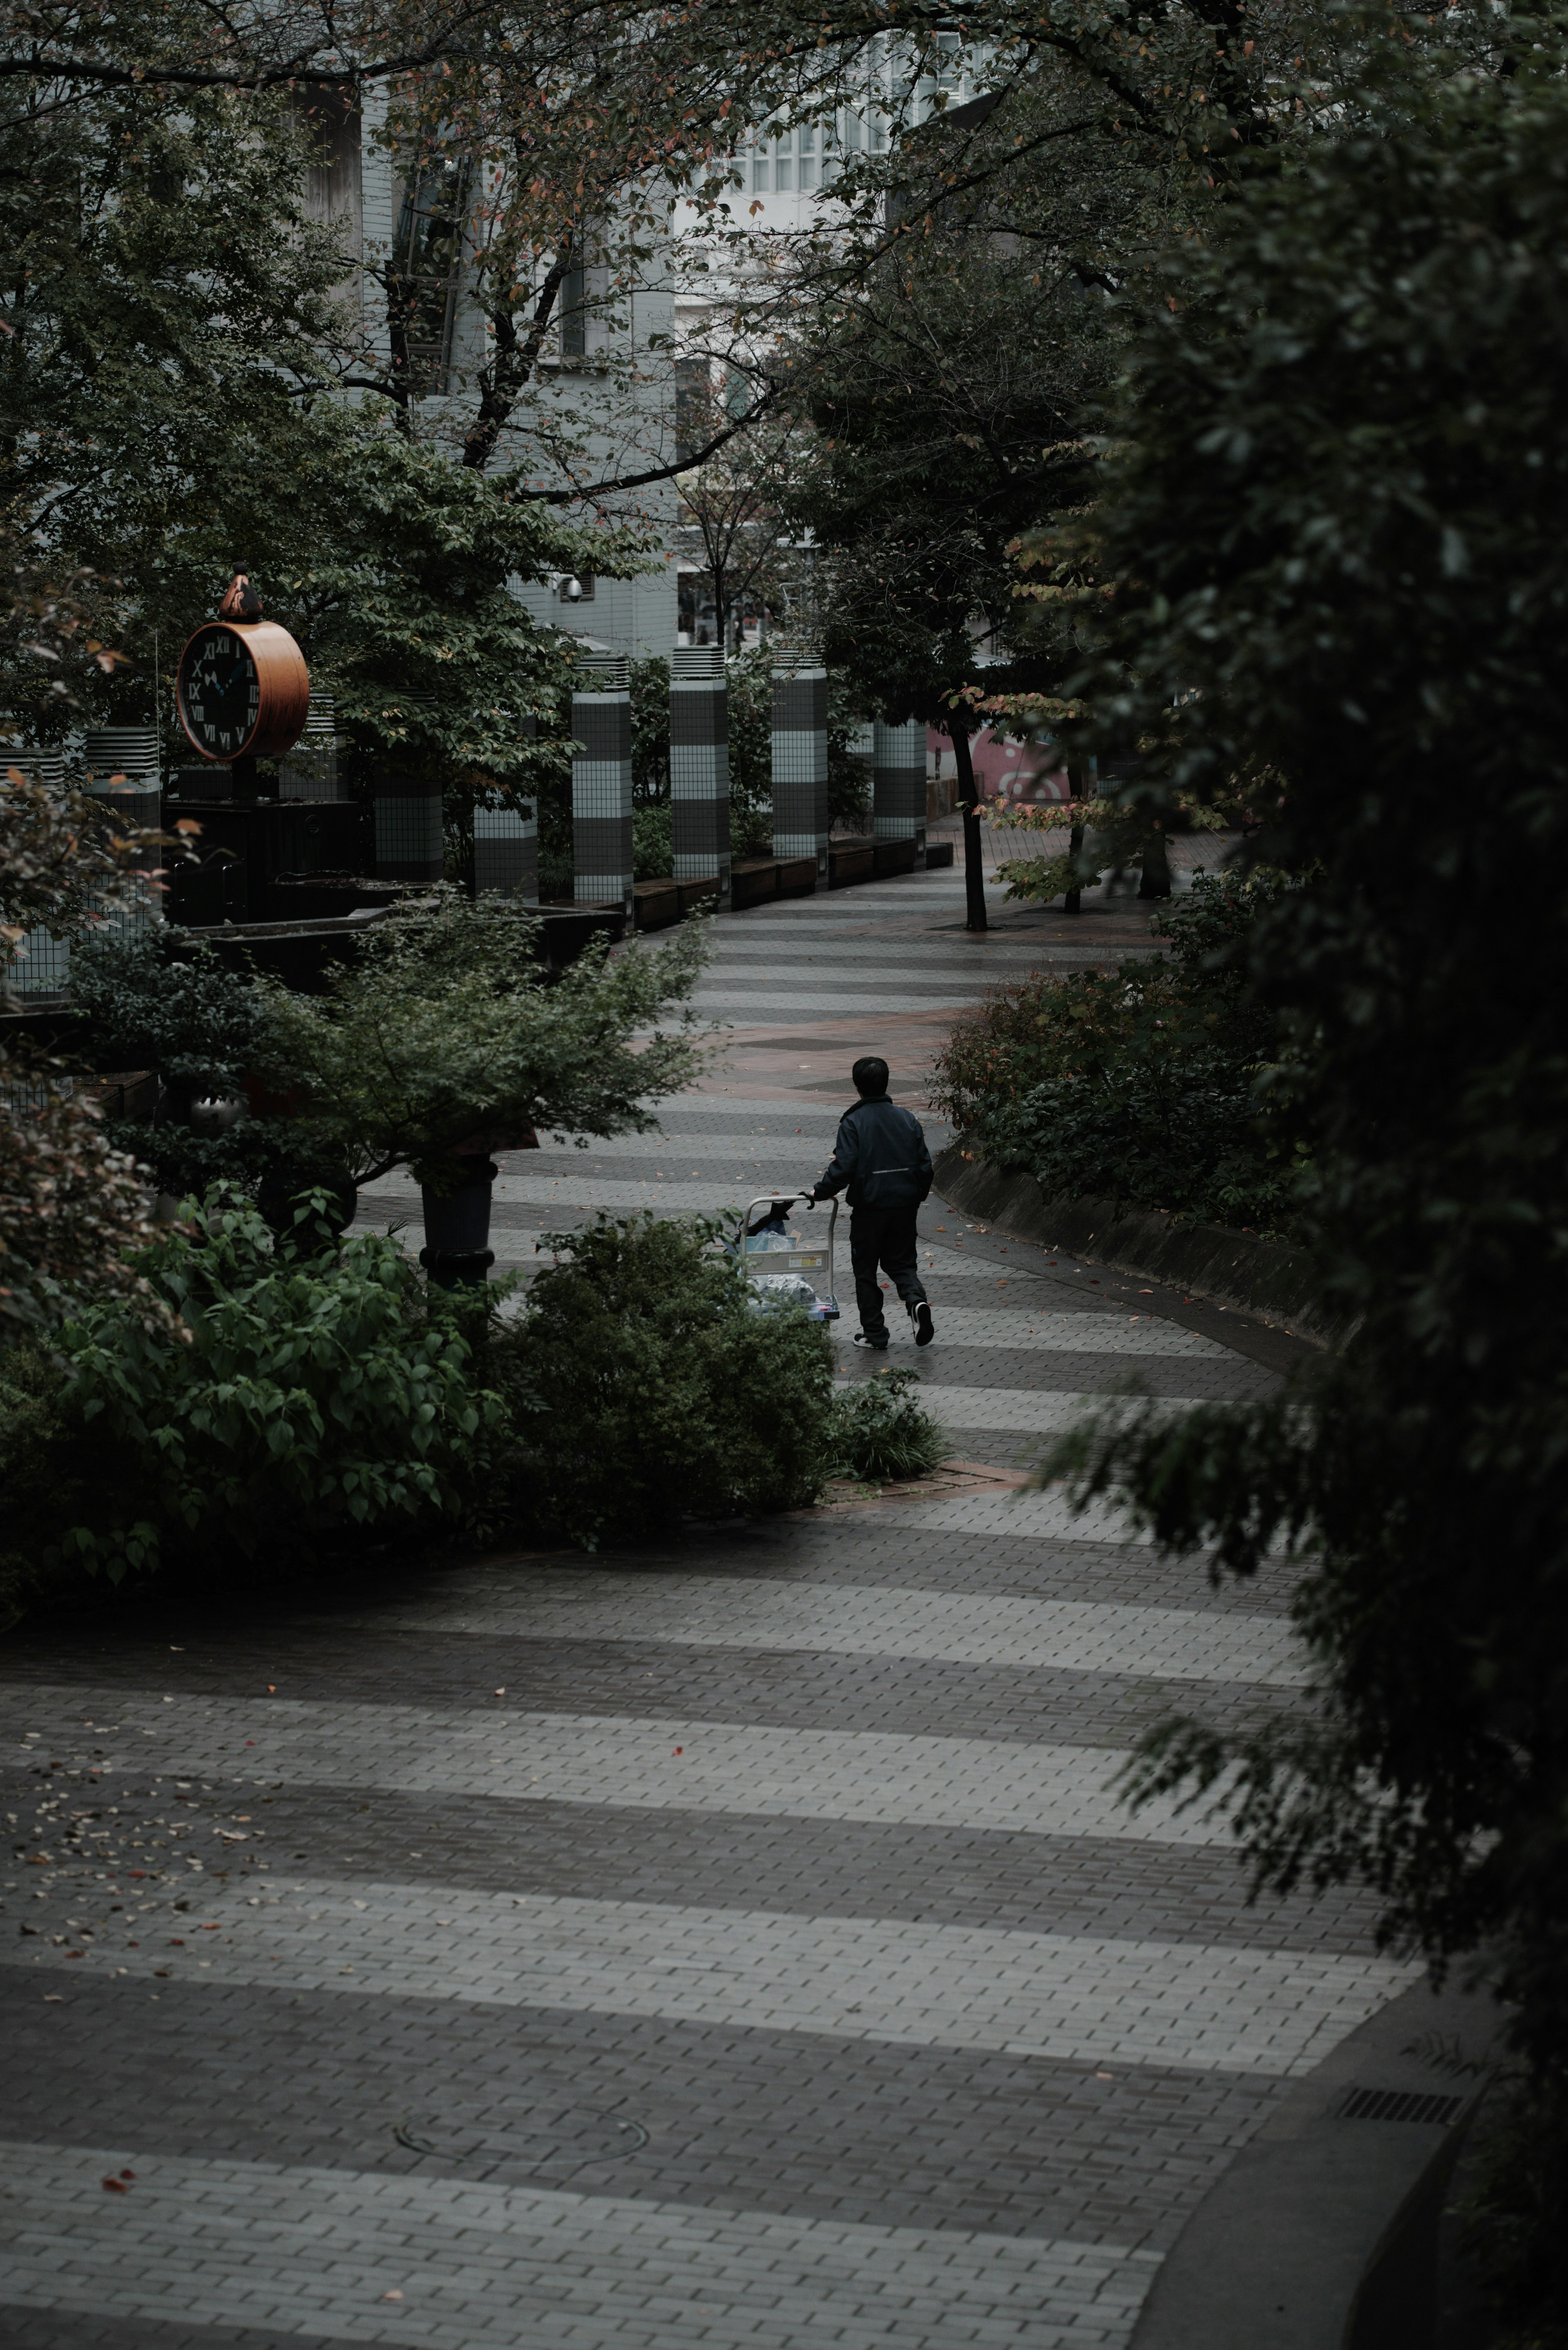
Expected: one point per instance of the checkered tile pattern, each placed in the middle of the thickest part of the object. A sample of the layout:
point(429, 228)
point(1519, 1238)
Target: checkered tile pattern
point(410, 840)
point(506, 851)
point(601, 798)
point(743, 1942)
point(898, 782)
point(800, 762)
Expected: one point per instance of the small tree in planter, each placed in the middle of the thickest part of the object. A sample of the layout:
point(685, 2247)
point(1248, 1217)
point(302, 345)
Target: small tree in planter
point(446, 1040)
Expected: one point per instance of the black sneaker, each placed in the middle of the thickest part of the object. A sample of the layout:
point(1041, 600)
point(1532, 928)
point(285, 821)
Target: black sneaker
point(921, 1316)
point(876, 1345)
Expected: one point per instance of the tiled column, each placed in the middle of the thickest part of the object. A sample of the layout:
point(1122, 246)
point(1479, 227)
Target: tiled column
point(899, 785)
point(310, 772)
point(800, 760)
point(45, 969)
point(506, 851)
point(131, 752)
point(601, 784)
point(699, 765)
point(409, 836)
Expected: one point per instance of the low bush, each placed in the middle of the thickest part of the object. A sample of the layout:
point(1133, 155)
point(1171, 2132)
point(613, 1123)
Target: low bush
point(882, 1431)
point(1157, 1085)
point(643, 1387)
point(46, 1468)
point(299, 1398)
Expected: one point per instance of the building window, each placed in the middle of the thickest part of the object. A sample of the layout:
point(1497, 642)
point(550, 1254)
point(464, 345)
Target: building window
point(786, 171)
point(760, 176)
point(423, 277)
point(573, 314)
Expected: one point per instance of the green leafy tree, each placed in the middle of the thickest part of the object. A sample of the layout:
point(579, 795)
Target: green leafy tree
point(445, 1036)
point(1336, 523)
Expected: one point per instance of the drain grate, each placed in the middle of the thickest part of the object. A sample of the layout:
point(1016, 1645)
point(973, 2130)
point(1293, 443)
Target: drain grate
point(1399, 2106)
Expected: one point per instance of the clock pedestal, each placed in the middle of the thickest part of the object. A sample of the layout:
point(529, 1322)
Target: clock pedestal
point(243, 781)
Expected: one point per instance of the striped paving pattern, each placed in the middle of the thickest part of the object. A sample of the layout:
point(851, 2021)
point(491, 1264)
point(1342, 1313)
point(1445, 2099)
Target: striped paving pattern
point(742, 1943)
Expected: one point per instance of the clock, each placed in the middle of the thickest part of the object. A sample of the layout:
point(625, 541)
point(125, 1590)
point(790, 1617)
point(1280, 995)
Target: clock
point(242, 690)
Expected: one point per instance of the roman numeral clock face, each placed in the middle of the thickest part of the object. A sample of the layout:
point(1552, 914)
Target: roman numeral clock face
point(220, 692)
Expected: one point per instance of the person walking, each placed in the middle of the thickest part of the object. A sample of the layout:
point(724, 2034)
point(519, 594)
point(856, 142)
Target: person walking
point(881, 1154)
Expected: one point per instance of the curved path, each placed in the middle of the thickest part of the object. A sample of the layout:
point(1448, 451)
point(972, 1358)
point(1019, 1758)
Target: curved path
point(736, 1945)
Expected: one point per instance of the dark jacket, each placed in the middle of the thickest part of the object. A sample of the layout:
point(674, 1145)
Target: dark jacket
point(881, 1154)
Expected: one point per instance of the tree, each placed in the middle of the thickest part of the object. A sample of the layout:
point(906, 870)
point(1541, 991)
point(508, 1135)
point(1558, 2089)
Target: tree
point(949, 394)
point(1335, 525)
point(71, 1208)
point(445, 1031)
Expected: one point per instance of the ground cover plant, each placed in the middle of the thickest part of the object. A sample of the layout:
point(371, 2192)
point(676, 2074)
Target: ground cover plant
point(643, 1387)
point(882, 1431)
point(286, 1400)
point(1154, 1086)
point(1336, 516)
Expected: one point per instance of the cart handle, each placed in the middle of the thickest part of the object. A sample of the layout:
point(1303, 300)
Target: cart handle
point(776, 1202)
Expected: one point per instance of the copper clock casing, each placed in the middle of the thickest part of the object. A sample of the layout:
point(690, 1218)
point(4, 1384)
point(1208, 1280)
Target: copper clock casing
point(284, 681)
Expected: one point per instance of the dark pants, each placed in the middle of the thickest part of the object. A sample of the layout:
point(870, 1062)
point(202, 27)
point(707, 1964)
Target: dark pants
point(885, 1237)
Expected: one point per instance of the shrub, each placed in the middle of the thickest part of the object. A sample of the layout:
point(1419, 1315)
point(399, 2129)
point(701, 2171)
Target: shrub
point(298, 1398)
point(1151, 1086)
point(882, 1431)
point(164, 1000)
point(46, 1471)
point(1331, 538)
point(643, 1387)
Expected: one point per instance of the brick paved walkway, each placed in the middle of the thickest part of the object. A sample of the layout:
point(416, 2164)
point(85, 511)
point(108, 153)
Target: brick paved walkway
point(736, 1945)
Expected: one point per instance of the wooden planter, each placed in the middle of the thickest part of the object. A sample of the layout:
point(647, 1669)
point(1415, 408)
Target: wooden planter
point(655, 904)
point(753, 882)
point(849, 861)
point(798, 877)
point(894, 857)
point(938, 852)
point(698, 897)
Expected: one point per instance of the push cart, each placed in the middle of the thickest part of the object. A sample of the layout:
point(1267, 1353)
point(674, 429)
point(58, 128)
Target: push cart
point(785, 1267)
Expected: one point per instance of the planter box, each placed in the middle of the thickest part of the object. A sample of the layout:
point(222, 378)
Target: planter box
point(798, 877)
point(938, 852)
point(655, 904)
point(565, 930)
point(262, 840)
point(850, 861)
point(699, 897)
point(322, 897)
point(894, 857)
point(753, 882)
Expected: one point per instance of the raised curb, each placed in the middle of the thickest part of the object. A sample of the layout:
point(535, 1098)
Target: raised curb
point(1263, 1277)
point(1323, 2233)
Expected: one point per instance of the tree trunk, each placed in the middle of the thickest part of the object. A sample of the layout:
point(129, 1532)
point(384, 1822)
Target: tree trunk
point(1156, 878)
point(1073, 901)
point(973, 868)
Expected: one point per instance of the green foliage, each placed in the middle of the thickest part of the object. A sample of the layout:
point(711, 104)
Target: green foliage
point(652, 844)
point(47, 1474)
point(445, 1034)
point(164, 1000)
point(1150, 1086)
point(882, 1431)
point(650, 732)
point(296, 1402)
point(750, 692)
point(1336, 522)
point(644, 1387)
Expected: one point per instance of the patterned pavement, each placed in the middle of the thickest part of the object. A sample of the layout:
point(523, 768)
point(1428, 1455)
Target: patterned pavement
point(736, 1944)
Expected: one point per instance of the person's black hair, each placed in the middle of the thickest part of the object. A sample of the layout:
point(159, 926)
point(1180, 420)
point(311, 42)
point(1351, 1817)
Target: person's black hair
point(869, 1077)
